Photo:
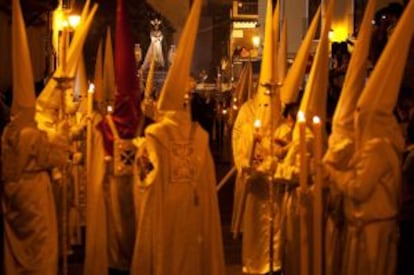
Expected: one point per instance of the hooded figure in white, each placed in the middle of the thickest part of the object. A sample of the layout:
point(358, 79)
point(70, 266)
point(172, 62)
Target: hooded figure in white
point(342, 140)
point(371, 184)
point(179, 229)
point(31, 245)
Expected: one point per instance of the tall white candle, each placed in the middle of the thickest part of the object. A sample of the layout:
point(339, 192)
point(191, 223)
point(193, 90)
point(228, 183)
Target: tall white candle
point(317, 202)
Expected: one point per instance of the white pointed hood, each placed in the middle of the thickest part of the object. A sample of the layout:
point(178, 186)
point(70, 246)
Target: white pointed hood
point(269, 106)
point(81, 86)
point(276, 34)
point(294, 77)
point(374, 116)
point(343, 119)
point(342, 138)
point(176, 83)
point(98, 79)
point(314, 98)
point(282, 54)
point(109, 85)
point(23, 105)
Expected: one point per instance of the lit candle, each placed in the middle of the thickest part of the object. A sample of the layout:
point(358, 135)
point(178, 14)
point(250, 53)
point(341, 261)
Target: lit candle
point(91, 91)
point(302, 150)
point(111, 122)
point(257, 125)
point(317, 225)
point(303, 177)
point(63, 47)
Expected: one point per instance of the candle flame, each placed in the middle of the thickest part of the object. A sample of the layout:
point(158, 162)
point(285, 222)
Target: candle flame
point(257, 123)
point(301, 116)
point(109, 109)
point(91, 88)
point(316, 120)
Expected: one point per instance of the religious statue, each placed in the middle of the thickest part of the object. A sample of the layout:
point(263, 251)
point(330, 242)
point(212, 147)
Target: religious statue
point(155, 48)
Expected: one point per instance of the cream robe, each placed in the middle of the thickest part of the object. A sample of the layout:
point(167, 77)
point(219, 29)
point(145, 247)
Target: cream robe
point(251, 208)
point(31, 245)
point(110, 230)
point(371, 189)
point(179, 229)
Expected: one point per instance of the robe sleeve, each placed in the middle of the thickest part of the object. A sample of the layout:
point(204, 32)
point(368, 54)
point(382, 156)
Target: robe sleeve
point(242, 138)
point(360, 181)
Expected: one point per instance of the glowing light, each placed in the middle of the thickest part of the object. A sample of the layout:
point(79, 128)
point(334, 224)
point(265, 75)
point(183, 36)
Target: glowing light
point(224, 112)
point(74, 20)
point(256, 41)
point(257, 124)
point(301, 117)
point(316, 120)
point(109, 109)
point(331, 34)
point(91, 88)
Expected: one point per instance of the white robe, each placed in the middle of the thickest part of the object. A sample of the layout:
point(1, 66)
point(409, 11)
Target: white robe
point(179, 229)
point(371, 188)
point(110, 229)
point(251, 209)
point(31, 245)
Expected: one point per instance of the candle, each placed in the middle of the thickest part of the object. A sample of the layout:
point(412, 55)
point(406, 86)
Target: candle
point(257, 125)
point(302, 150)
point(303, 174)
point(109, 109)
point(317, 225)
point(91, 91)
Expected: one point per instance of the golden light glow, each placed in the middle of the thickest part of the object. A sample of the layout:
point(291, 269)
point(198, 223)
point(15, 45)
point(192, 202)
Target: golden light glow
point(339, 33)
point(257, 124)
point(316, 120)
point(91, 89)
point(74, 20)
point(256, 41)
point(301, 117)
point(109, 109)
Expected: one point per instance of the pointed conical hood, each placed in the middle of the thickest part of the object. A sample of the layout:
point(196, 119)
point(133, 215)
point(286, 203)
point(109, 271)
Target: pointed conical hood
point(314, 98)
point(50, 97)
point(174, 88)
point(290, 88)
point(276, 34)
point(343, 119)
point(127, 111)
point(379, 97)
point(98, 79)
point(81, 86)
point(109, 86)
point(269, 109)
point(282, 54)
point(23, 85)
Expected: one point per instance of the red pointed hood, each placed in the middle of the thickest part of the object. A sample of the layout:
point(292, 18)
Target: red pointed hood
point(127, 112)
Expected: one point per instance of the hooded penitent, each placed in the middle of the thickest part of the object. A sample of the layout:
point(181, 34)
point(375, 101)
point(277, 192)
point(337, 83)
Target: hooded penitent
point(343, 120)
point(109, 86)
point(374, 116)
point(127, 111)
point(294, 77)
point(268, 98)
